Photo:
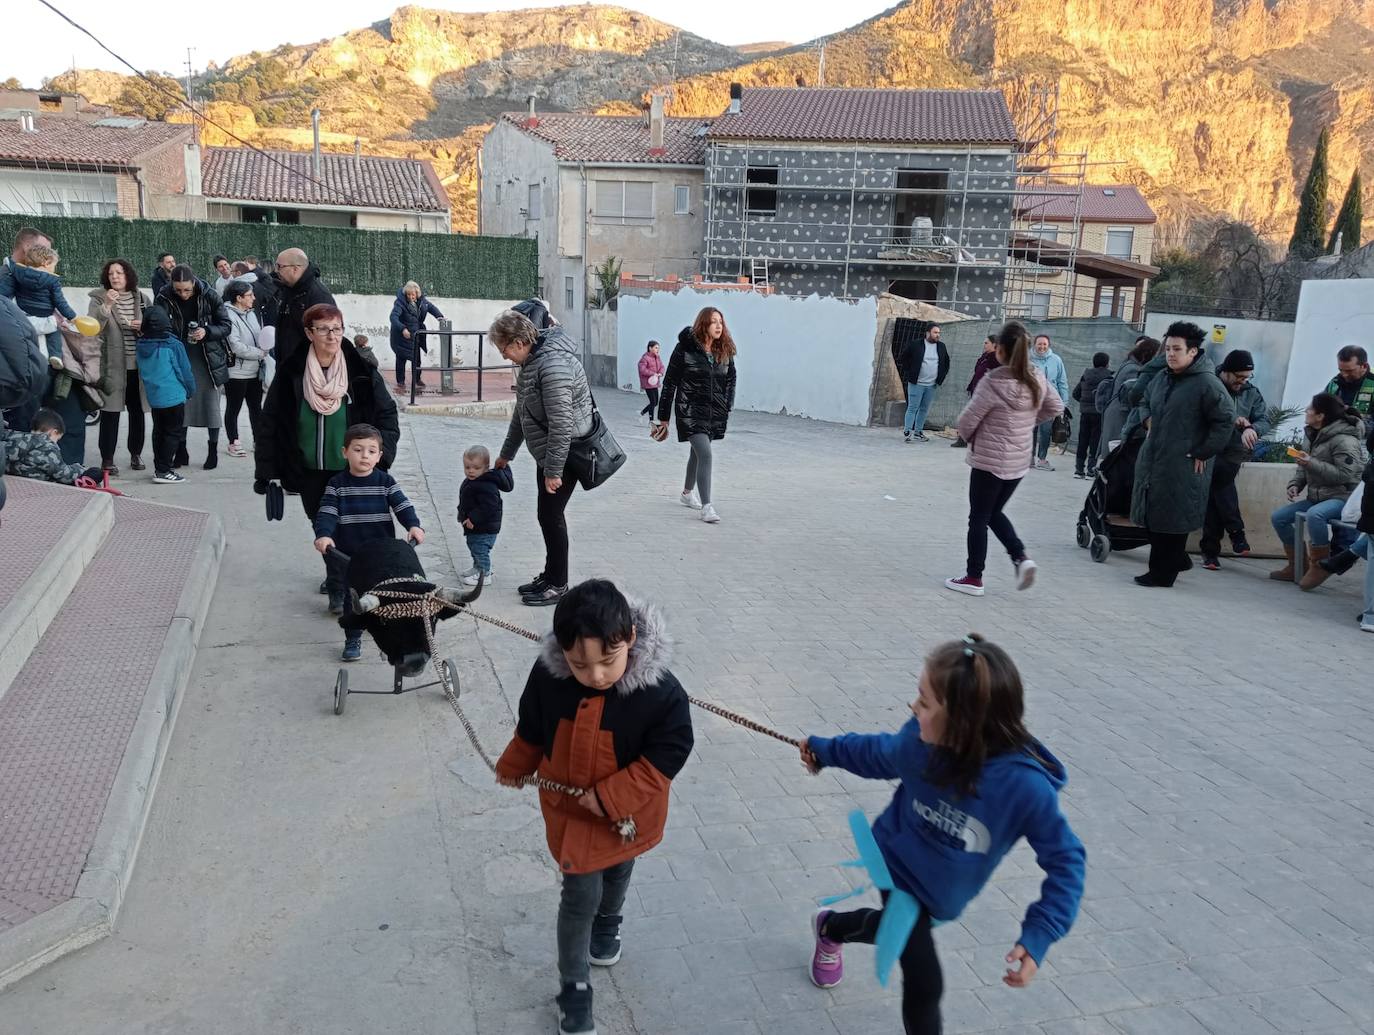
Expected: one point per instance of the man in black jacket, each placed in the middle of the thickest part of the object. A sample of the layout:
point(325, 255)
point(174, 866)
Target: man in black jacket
point(162, 272)
point(297, 286)
point(924, 365)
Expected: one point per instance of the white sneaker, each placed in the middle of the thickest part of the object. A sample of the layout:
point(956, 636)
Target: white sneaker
point(1044, 465)
point(1367, 625)
point(1025, 574)
point(689, 499)
point(471, 578)
point(709, 515)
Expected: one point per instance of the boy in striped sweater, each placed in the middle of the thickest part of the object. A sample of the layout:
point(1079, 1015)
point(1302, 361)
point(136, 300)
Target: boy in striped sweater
point(357, 506)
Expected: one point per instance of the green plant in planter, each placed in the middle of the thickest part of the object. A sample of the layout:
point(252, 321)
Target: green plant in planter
point(1273, 449)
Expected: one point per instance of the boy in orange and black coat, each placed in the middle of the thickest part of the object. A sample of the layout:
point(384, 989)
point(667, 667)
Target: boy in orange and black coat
point(600, 711)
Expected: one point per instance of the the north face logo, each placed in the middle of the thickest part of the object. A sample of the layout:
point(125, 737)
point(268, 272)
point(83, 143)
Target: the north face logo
point(956, 826)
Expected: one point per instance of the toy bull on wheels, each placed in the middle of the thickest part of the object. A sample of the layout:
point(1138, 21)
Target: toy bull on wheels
point(390, 599)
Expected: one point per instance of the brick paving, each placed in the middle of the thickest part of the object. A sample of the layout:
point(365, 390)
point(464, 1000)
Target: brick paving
point(1219, 740)
point(67, 717)
point(31, 518)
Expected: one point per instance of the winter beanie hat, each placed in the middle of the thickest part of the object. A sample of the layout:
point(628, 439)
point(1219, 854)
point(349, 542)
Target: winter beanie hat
point(1237, 361)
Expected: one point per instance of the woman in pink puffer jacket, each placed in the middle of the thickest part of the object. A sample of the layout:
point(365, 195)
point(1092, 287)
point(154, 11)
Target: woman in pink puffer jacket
point(650, 377)
point(997, 424)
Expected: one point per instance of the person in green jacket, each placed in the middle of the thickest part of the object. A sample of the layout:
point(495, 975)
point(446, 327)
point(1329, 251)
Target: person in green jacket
point(1353, 383)
point(1189, 417)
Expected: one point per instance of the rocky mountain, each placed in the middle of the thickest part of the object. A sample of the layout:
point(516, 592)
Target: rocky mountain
point(1211, 106)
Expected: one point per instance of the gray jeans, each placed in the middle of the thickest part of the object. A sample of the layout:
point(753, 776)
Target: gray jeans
point(699, 467)
point(585, 896)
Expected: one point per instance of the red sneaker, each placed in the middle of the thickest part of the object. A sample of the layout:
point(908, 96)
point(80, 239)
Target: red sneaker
point(965, 584)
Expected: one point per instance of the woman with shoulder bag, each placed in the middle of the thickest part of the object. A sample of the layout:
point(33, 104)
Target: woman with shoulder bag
point(246, 370)
point(699, 389)
point(553, 408)
point(117, 305)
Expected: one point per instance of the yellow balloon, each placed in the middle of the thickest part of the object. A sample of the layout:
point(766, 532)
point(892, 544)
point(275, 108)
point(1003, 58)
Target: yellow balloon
point(87, 325)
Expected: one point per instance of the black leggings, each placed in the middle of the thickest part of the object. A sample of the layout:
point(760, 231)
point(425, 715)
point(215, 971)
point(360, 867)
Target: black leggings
point(987, 495)
point(109, 422)
point(549, 509)
point(922, 982)
point(236, 393)
point(652, 393)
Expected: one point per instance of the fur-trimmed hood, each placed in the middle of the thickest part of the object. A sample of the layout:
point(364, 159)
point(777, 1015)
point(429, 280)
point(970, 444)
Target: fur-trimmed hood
point(649, 657)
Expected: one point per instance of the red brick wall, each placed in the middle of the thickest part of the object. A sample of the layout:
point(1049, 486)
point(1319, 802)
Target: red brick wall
point(126, 188)
point(164, 169)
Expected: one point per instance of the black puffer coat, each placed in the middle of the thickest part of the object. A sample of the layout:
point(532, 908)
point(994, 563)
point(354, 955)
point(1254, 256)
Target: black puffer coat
point(407, 317)
point(277, 450)
point(211, 316)
point(698, 390)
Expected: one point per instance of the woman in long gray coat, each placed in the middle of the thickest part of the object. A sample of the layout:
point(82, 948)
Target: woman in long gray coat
point(1187, 412)
point(118, 306)
point(553, 407)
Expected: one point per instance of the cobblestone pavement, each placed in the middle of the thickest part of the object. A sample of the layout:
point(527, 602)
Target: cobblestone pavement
point(306, 873)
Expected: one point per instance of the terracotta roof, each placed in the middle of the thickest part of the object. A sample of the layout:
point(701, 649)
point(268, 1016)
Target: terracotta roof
point(871, 116)
point(79, 143)
point(1102, 203)
point(242, 174)
point(615, 138)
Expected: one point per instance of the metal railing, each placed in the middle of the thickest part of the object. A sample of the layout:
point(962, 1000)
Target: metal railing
point(446, 367)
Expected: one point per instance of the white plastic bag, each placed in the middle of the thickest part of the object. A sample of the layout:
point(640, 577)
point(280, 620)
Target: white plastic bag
point(1350, 513)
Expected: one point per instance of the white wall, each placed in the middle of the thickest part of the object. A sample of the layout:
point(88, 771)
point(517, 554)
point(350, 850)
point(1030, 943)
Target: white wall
point(371, 315)
point(1331, 314)
point(811, 356)
point(25, 191)
point(1270, 342)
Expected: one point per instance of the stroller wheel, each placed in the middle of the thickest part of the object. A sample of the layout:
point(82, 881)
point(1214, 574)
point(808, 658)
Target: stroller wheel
point(1085, 534)
point(340, 691)
point(1100, 547)
point(451, 671)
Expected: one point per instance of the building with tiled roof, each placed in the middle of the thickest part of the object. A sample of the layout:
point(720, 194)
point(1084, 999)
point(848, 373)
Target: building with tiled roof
point(64, 165)
point(592, 189)
point(1112, 220)
point(354, 190)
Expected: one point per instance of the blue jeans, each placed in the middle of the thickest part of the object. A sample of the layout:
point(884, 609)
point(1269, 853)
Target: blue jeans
point(1043, 434)
point(1318, 517)
point(918, 400)
point(479, 545)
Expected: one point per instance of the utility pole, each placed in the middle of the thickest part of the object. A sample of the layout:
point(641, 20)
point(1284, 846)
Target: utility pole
point(189, 51)
point(820, 72)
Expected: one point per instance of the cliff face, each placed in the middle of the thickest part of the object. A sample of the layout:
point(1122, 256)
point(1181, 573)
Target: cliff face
point(1212, 108)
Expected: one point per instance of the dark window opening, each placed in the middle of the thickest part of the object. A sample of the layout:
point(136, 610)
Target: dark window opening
point(279, 216)
point(918, 217)
point(916, 290)
point(761, 199)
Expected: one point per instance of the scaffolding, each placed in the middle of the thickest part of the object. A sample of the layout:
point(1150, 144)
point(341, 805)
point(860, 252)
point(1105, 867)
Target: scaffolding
point(964, 216)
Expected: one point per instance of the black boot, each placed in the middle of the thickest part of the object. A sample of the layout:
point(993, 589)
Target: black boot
point(182, 457)
point(1339, 563)
point(212, 457)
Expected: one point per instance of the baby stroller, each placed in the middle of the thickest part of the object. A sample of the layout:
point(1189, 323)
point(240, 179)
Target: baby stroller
point(1102, 524)
point(385, 578)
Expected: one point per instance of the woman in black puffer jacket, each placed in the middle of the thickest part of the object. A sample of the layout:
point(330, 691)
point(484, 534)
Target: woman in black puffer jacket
point(188, 300)
point(699, 389)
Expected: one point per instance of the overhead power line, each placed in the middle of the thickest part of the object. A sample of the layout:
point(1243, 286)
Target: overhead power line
point(347, 198)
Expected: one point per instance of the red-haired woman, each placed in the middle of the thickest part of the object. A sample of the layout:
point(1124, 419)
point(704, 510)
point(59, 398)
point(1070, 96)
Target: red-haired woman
point(317, 394)
point(699, 389)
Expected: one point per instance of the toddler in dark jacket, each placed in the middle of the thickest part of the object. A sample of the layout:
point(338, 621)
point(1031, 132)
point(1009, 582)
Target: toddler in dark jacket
point(34, 454)
point(479, 510)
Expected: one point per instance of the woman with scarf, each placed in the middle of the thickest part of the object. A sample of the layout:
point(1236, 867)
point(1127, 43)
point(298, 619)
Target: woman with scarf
point(317, 394)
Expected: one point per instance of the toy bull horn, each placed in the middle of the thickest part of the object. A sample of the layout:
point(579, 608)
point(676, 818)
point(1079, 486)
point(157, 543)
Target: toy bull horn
point(454, 598)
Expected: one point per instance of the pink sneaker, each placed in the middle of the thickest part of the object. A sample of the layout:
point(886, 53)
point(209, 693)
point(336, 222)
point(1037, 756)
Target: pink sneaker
point(827, 963)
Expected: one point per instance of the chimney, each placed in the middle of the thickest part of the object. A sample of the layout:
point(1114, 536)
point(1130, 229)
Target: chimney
point(315, 125)
point(26, 122)
point(191, 160)
point(358, 159)
point(532, 119)
point(736, 93)
point(656, 125)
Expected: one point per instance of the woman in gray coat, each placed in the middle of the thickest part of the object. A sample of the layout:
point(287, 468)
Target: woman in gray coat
point(1188, 413)
point(1114, 411)
point(117, 305)
point(553, 406)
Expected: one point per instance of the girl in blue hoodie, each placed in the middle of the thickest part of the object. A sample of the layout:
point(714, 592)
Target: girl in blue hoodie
point(972, 783)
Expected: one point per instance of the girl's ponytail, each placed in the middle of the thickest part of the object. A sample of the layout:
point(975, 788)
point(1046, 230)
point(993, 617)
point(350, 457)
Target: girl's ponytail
point(1015, 340)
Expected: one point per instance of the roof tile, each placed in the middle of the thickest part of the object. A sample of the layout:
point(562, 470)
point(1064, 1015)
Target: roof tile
point(243, 174)
point(1102, 203)
point(835, 114)
point(615, 138)
point(60, 142)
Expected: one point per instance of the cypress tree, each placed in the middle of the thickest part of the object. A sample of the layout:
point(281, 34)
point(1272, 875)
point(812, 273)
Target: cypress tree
point(1351, 215)
point(1309, 232)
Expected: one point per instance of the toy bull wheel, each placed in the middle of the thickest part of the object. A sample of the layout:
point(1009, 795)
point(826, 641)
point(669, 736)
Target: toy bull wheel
point(340, 691)
point(1100, 548)
point(451, 670)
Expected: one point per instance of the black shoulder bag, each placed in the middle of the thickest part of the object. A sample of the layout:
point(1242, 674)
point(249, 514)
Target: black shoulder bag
point(594, 457)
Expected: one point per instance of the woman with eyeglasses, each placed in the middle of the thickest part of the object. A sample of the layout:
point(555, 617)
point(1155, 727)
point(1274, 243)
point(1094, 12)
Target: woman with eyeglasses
point(317, 394)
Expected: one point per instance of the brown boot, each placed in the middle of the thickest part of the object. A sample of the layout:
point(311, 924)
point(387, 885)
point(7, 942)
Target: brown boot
point(1284, 574)
point(1315, 574)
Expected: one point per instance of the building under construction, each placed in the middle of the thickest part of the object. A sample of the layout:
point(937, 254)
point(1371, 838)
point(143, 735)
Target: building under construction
point(929, 194)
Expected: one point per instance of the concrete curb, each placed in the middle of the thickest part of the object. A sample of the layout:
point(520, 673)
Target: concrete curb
point(92, 913)
point(26, 617)
point(494, 408)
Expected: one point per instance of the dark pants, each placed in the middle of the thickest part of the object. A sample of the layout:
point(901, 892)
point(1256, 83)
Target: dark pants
point(922, 982)
point(652, 393)
point(236, 393)
point(169, 435)
point(1223, 508)
point(73, 444)
point(1168, 555)
point(109, 422)
point(549, 509)
point(1089, 430)
point(987, 495)
point(412, 356)
point(586, 896)
point(312, 486)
